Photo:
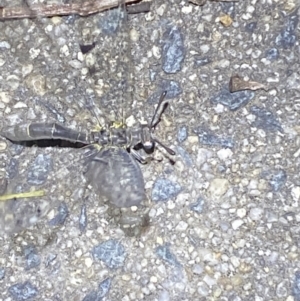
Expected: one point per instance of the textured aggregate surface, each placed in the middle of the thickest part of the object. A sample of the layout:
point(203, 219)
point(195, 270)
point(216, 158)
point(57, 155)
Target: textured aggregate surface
point(224, 212)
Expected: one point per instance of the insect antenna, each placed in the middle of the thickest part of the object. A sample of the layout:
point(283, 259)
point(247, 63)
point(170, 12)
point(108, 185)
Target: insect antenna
point(162, 105)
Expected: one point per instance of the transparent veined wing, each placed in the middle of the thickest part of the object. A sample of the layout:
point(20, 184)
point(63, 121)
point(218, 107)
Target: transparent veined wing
point(47, 76)
point(116, 175)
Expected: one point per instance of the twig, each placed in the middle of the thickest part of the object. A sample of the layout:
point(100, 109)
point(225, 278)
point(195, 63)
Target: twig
point(143, 7)
point(30, 194)
point(84, 8)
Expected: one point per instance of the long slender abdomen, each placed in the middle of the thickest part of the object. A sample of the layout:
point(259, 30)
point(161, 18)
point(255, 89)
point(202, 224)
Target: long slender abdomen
point(40, 131)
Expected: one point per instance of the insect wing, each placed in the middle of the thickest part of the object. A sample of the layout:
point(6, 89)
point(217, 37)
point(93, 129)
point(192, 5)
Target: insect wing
point(115, 175)
point(43, 80)
point(110, 65)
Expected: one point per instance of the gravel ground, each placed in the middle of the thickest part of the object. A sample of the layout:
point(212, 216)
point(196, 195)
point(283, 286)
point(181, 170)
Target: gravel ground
point(224, 218)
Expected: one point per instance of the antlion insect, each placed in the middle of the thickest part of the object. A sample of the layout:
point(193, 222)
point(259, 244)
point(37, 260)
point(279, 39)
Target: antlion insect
point(112, 171)
point(111, 167)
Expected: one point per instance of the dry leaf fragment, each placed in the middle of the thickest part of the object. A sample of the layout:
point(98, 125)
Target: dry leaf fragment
point(236, 83)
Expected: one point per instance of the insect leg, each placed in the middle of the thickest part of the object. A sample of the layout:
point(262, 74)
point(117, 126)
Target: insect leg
point(140, 158)
point(162, 104)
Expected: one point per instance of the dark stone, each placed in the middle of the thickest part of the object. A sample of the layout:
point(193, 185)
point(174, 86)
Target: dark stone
point(165, 254)
point(164, 190)
point(233, 101)
point(83, 219)
point(201, 61)
point(198, 206)
point(272, 54)
point(207, 137)
point(111, 252)
point(173, 51)
point(265, 120)
point(61, 216)
point(250, 27)
point(39, 170)
point(23, 291)
point(12, 168)
point(182, 133)
point(33, 260)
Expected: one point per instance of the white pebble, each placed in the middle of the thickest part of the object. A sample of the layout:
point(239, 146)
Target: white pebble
point(236, 224)
point(218, 187)
point(256, 213)
point(295, 193)
point(182, 226)
point(224, 154)
point(241, 212)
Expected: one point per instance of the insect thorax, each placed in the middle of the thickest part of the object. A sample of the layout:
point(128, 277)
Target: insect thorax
point(122, 137)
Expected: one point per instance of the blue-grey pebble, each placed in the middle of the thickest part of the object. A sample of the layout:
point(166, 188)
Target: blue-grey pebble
point(2, 273)
point(165, 254)
point(265, 120)
point(83, 218)
point(172, 88)
point(39, 170)
point(23, 291)
point(164, 190)
point(50, 258)
point(100, 293)
point(16, 149)
point(61, 216)
point(182, 133)
point(278, 179)
point(296, 286)
point(3, 185)
point(288, 36)
point(111, 252)
point(187, 159)
point(228, 8)
point(92, 296)
point(233, 101)
point(12, 168)
point(109, 23)
point(173, 50)
point(152, 75)
point(104, 287)
point(207, 137)
point(198, 206)
point(272, 54)
point(32, 257)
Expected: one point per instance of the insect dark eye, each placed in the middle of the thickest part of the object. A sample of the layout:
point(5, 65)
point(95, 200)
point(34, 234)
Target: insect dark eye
point(148, 145)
